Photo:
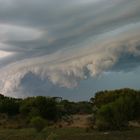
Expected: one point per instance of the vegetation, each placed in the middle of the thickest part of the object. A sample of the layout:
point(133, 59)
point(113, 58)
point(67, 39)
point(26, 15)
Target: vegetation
point(15, 113)
point(38, 123)
point(67, 134)
point(42, 118)
point(39, 106)
point(116, 108)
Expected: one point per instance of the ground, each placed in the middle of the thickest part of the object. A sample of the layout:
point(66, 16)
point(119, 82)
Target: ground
point(68, 134)
point(77, 121)
point(75, 130)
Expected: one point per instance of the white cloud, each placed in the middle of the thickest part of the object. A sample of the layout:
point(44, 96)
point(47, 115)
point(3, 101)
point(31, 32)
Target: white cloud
point(4, 54)
point(87, 40)
point(66, 67)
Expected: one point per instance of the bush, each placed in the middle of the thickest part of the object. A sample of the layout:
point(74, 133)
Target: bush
point(9, 106)
point(115, 116)
point(40, 106)
point(38, 123)
point(103, 117)
point(114, 109)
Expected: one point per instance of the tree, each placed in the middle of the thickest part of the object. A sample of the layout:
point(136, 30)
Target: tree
point(9, 106)
point(40, 106)
point(117, 114)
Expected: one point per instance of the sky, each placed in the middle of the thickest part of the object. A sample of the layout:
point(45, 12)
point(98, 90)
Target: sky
point(68, 48)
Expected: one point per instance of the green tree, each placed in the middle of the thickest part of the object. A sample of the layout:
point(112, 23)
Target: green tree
point(117, 114)
point(40, 106)
point(9, 106)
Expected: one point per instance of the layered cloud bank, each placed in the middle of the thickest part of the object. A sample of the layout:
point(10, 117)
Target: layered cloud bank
point(67, 41)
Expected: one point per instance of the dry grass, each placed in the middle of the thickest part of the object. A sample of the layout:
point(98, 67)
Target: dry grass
point(68, 134)
point(81, 121)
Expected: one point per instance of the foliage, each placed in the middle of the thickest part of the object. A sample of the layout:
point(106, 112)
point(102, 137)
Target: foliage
point(9, 106)
point(40, 106)
point(69, 108)
point(112, 109)
point(105, 97)
point(116, 110)
point(38, 123)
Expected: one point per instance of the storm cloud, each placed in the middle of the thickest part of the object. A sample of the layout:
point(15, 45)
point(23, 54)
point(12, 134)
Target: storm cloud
point(65, 42)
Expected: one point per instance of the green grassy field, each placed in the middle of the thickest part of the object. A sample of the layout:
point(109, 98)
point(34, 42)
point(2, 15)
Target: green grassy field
point(68, 134)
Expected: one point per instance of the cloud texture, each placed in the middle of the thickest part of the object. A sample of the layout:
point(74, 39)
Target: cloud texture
point(67, 41)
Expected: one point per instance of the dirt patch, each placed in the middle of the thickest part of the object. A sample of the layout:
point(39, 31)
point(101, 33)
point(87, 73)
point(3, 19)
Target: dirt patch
point(134, 124)
point(81, 121)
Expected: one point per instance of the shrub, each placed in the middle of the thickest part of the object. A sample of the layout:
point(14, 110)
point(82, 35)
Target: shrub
point(38, 123)
point(103, 118)
point(115, 115)
point(40, 106)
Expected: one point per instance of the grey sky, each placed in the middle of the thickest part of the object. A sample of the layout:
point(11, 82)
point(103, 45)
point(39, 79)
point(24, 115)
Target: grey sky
point(69, 47)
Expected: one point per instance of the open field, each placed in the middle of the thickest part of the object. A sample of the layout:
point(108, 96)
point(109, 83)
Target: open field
point(68, 134)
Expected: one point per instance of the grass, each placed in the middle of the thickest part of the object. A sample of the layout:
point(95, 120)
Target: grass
point(68, 134)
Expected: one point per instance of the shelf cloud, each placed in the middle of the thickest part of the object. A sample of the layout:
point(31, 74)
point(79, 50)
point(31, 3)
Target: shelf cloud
point(67, 41)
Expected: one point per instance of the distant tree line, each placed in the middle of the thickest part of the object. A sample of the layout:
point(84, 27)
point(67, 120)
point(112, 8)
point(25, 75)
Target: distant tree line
point(50, 109)
point(112, 110)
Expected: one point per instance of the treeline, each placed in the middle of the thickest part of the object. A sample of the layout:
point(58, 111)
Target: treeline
point(115, 109)
point(112, 110)
point(47, 108)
